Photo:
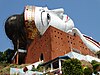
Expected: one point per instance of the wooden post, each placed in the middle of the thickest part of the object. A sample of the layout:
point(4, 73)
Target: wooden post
point(17, 57)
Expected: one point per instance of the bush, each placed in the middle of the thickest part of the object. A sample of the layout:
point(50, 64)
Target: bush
point(96, 66)
point(34, 69)
point(87, 71)
point(72, 67)
point(94, 62)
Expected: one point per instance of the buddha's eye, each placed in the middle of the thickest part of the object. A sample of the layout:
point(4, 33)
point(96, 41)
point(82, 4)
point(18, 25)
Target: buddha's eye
point(48, 16)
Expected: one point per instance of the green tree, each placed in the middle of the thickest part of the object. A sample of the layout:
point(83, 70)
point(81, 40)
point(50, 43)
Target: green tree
point(5, 57)
point(2, 57)
point(94, 62)
point(87, 71)
point(8, 55)
point(96, 66)
point(1, 53)
point(72, 67)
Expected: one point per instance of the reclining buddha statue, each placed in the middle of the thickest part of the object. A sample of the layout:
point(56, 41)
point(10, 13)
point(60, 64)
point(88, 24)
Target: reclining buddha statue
point(36, 20)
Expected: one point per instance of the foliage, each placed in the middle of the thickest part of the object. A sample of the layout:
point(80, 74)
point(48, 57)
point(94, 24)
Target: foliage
point(40, 68)
point(98, 54)
point(5, 57)
point(96, 66)
point(34, 69)
point(94, 62)
point(87, 71)
point(1, 55)
point(72, 67)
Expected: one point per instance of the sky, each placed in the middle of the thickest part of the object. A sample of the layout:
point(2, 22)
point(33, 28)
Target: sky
point(84, 13)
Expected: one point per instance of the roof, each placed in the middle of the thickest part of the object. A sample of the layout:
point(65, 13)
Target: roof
point(82, 57)
point(76, 55)
point(60, 57)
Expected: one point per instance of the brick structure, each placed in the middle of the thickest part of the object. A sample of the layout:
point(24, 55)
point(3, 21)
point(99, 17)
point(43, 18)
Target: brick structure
point(54, 43)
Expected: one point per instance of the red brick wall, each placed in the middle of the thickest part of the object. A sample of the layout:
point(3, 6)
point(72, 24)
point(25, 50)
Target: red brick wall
point(63, 43)
point(54, 43)
point(40, 45)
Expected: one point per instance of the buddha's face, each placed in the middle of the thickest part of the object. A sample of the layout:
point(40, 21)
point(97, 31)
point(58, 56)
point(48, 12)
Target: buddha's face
point(44, 18)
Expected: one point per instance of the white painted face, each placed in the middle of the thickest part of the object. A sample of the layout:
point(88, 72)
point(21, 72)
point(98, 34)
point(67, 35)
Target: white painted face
point(44, 18)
